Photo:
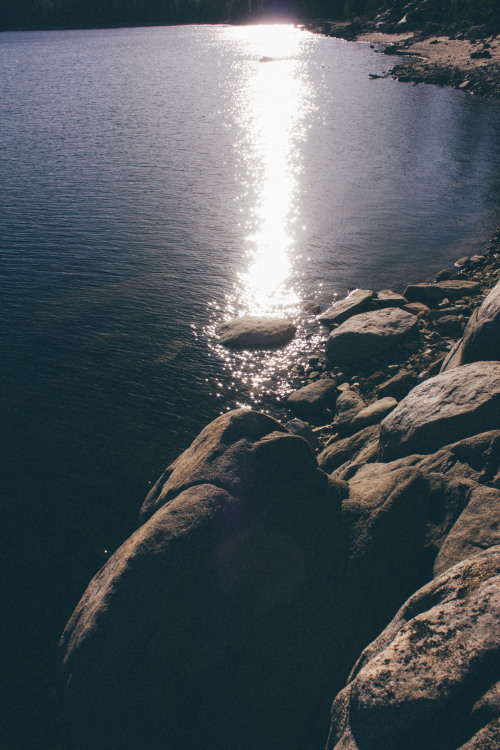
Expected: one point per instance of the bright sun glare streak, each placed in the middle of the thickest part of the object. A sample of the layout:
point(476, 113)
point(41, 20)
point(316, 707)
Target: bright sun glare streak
point(276, 104)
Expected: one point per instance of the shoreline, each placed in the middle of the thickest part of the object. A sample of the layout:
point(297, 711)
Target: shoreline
point(396, 371)
point(468, 60)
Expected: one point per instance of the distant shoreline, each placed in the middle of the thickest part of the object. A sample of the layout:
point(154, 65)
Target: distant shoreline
point(468, 61)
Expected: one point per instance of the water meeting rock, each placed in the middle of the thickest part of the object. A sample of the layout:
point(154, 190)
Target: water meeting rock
point(430, 679)
point(455, 404)
point(368, 334)
point(248, 332)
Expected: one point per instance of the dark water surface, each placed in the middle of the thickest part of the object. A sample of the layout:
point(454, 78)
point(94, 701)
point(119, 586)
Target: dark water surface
point(157, 181)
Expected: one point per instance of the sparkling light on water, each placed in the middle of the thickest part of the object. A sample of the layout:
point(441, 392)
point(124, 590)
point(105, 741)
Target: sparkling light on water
point(273, 106)
point(271, 109)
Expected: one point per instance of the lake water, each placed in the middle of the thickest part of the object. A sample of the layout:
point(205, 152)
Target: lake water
point(157, 181)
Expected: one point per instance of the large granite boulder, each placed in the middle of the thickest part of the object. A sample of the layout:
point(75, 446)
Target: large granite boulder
point(314, 399)
point(430, 680)
point(187, 635)
point(478, 527)
point(481, 339)
point(456, 476)
point(226, 453)
point(355, 302)
point(368, 334)
point(248, 332)
point(453, 405)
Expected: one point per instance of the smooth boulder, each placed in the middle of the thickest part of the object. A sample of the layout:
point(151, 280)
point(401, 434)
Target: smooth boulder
point(430, 679)
point(187, 635)
point(223, 454)
point(368, 334)
point(248, 332)
point(452, 405)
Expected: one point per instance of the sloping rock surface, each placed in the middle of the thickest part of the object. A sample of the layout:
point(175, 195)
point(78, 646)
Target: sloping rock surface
point(187, 635)
point(481, 339)
point(356, 302)
point(477, 528)
point(455, 404)
point(384, 522)
point(423, 681)
point(249, 332)
point(223, 454)
point(348, 449)
point(368, 334)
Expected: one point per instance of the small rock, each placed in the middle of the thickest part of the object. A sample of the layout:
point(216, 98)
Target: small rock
point(303, 430)
point(417, 308)
point(315, 398)
point(373, 413)
point(388, 298)
point(398, 386)
point(450, 325)
point(356, 302)
point(348, 405)
point(445, 274)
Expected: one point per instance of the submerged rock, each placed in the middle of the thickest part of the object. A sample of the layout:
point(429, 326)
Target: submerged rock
point(250, 332)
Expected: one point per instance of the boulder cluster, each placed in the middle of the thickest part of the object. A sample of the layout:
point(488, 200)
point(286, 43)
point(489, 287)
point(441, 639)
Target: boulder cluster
point(331, 581)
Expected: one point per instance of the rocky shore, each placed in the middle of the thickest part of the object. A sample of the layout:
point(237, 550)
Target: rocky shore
point(461, 56)
point(332, 580)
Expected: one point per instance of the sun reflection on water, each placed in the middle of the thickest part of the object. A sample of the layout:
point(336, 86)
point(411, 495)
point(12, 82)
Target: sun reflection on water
point(274, 104)
point(270, 110)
